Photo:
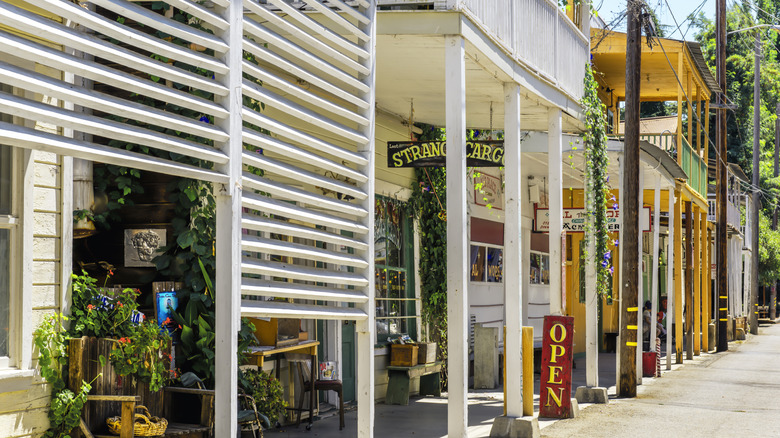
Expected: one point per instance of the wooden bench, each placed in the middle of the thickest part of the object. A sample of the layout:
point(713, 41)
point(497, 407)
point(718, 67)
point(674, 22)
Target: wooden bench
point(400, 379)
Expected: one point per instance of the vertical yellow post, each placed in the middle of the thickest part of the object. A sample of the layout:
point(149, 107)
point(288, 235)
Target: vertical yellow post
point(696, 281)
point(698, 125)
point(690, 108)
point(706, 131)
point(708, 293)
point(528, 371)
point(679, 110)
point(705, 283)
point(616, 117)
point(678, 274)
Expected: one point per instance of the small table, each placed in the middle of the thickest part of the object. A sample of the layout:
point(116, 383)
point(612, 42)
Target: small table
point(400, 378)
point(260, 353)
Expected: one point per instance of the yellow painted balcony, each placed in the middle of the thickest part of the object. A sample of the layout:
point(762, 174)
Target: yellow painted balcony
point(692, 164)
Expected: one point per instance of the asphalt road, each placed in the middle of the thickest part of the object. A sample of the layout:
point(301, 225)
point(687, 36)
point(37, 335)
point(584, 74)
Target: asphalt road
point(733, 394)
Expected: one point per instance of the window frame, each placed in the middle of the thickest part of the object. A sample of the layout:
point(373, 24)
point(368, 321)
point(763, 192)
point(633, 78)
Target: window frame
point(541, 277)
point(485, 271)
point(410, 303)
point(12, 222)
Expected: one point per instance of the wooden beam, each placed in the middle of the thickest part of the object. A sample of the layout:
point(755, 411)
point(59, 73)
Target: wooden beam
point(707, 131)
point(457, 237)
point(690, 108)
point(688, 280)
point(678, 277)
point(513, 246)
point(679, 110)
point(670, 278)
point(697, 269)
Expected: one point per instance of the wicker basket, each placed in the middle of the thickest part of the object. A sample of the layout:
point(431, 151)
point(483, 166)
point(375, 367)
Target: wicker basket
point(144, 425)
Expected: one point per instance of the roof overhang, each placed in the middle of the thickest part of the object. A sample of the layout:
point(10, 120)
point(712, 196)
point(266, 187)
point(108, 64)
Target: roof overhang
point(410, 73)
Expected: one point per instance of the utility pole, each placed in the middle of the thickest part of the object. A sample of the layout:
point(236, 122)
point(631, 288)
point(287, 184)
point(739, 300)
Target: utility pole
point(773, 300)
point(753, 305)
point(720, 127)
point(629, 205)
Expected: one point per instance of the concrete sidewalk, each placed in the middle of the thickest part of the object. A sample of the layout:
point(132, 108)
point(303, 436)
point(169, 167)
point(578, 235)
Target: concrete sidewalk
point(427, 416)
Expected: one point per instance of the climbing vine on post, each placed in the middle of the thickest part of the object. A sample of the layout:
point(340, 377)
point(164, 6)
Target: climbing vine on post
point(597, 182)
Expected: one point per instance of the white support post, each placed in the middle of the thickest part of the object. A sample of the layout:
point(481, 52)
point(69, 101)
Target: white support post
point(640, 290)
point(526, 268)
point(555, 204)
point(513, 252)
point(365, 331)
point(457, 232)
point(655, 289)
point(670, 281)
point(228, 234)
point(591, 313)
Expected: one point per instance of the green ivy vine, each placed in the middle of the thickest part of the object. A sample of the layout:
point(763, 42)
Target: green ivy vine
point(597, 191)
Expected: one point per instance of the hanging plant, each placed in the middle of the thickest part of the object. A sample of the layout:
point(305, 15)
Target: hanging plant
point(597, 192)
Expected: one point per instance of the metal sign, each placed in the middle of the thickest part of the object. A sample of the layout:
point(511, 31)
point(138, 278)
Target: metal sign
point(574, 220)
point(555, 389)
point(487, 153)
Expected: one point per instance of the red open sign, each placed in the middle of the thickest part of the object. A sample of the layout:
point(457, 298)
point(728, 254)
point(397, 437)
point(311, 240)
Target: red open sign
point(555, 392)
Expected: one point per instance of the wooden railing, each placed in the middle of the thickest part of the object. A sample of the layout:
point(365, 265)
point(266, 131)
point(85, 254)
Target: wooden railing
point(692, 164)
point(535, 32)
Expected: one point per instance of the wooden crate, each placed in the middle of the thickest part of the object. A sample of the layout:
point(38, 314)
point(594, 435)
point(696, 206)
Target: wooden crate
point(403, 355)
point(426, 353)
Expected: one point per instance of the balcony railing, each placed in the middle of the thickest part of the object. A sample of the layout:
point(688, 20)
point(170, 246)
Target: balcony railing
point(692, 164)
point(733, 214)
point(535, 32)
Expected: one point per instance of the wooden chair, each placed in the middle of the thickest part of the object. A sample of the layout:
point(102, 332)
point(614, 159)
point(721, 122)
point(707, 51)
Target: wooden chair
point(307, 373)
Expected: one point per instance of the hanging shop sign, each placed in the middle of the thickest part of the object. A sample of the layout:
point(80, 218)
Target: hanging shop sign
point(555, 390)
point(487, 153)
point(574, 220)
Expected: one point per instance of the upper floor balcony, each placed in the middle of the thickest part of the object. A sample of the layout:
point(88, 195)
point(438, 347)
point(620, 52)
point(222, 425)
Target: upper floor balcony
point(691, 161)
point(533, 42)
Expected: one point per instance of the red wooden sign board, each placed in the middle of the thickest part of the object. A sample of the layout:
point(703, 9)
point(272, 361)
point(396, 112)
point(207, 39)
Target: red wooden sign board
point(555, 393)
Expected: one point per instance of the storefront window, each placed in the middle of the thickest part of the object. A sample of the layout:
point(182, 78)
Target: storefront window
point(540, 268)
point(396, 307)
point(487, 264)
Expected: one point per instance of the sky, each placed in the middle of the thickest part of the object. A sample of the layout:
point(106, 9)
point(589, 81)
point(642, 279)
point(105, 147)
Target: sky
point(664, 9)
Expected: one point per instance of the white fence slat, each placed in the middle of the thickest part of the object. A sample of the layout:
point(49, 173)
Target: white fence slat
point(294, 134)
point(270, 79)
point(338, 20)
point(284, 191)
point(200, 12)
point(269, 225)
point(316, 28)
point(262, 309)
point(77, 121)
point(280, 44)
point(251, 265)
point(156, 21)
point(313, 44)
point(285, 209)
point(28, 138)
point(36, 82)
point(269, 288)
point(266, 56)
point(295, 153)
point(300, 113)
point(285, 170)
point(91, 20)
point(349, 10)
point(24, 48)
point(300, 251)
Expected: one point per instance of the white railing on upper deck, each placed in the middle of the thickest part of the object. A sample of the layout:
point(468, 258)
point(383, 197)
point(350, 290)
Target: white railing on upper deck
point(535, 32)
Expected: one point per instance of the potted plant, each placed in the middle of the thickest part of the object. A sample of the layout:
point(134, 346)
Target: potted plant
point(267, 393)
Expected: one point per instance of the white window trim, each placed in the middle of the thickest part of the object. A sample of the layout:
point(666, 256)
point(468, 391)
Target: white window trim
point(486, 245)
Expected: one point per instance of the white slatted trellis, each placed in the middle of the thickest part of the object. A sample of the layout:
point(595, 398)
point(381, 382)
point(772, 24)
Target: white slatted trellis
point(272, 101)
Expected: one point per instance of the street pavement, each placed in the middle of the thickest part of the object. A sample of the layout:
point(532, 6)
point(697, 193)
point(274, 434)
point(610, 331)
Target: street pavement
point(736, 394)
point(715, 395)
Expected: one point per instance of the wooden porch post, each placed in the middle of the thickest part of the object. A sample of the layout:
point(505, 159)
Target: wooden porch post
point(640, 287)
point(671, 294)
point(228, 233)
point(513, 246)
point(696, 281)
point(555, 200)
point(706, 303)
point(656, 287)
point(679, 110)
point(678, 279)
point(457, 232)
point(706, 132)
point(690, 108)
point(688, 280)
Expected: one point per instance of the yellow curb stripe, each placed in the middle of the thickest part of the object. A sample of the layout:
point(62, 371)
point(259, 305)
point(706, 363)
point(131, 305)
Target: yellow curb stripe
point(725, 297)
